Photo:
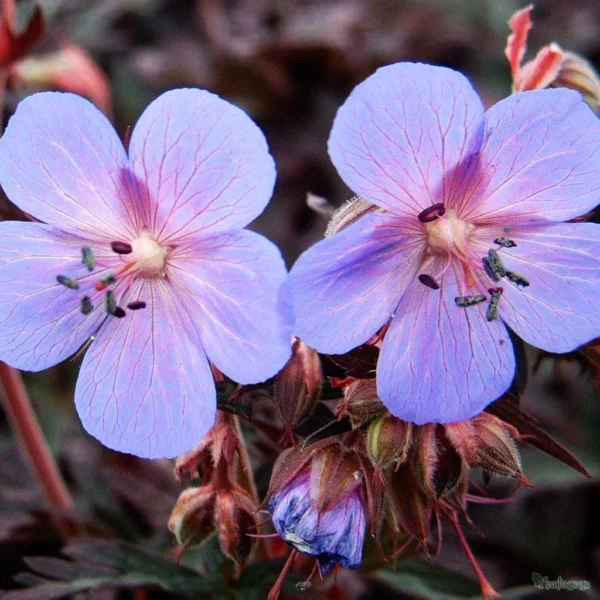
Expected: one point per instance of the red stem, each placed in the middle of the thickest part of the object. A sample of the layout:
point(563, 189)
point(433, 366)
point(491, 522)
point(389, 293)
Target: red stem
point(33, 443)
point(487, 591)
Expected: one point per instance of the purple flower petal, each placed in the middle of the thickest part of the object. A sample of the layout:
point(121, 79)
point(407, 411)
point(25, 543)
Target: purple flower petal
point(145, 385)
point(231, 284)
point(40, 320)
point(540, 160)
point(402, 133)
point(346, 287)
point(201, 163)
point(441, 363)
point(558, 311)
point(62, 162)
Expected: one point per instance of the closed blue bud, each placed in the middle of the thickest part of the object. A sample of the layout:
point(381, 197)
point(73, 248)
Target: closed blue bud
point(332, 536)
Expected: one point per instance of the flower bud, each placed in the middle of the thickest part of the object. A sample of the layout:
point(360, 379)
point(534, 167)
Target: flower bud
point(437, 466)
point(361, 403)
point(334, 472)
point(298, 386)
point(576, 73)
point(388, 440)
point(486, 442)
point(335, 535)
point(234, 516)
point(348, 213)
point(191, 520)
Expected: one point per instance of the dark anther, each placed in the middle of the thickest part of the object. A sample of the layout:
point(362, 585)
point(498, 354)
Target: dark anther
point(86, 305)
point(493, 266)
point(464, 301)
point(136, 305)
point(505, 242)
point(121, 247)
point(429, 281)
point(492, 310)
point(110, 302)
point(517, 279)
point(119, 312)
point(88, 258)
point(67, 282)
point(432, 213)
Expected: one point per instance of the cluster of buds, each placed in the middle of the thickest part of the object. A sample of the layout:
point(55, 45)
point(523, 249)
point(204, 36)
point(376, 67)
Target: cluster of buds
point(551, 67)
point(219, 504)
point(322, 496)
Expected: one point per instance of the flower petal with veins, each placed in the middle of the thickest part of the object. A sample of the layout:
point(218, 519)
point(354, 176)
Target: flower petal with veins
point(404, 134)
point(62, 162)
point(232, 281)
point(138, 390)
point(346, 287)
point(559, 311)
point(440, 363)
point(40, 320)
point(201, 164)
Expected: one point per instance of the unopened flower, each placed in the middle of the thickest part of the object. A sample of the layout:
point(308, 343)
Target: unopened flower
point(470, 235)
point(551, 67)
point(143, 252)
point(333, 536)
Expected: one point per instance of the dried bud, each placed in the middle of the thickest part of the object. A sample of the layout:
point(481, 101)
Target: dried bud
point(576, 73)
point(334, 472)
point(221, 442)
point(348, 213)
point(496, 450)
point(409, 505)
point(71, 69)
point(485, 441)
point(361, 402)
point(437, 465)
point(191, 521)
point(298, 386)
point(234, 516)
point(388, 440)
point(334, 536)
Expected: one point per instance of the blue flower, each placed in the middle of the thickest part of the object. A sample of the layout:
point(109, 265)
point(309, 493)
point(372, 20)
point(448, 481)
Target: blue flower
point(332, 536)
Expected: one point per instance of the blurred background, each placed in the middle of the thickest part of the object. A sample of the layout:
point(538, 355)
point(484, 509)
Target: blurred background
point(290, 64)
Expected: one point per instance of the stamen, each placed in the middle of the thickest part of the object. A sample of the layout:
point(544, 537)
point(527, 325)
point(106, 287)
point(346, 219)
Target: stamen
point(110, 302)
point(505, 242)
point(67, 282)
point(88, 258)
point(86, 305)
point(492, 311)
point(429, 281)
point(517, 279)
point(119, 312)
point(105, 282)
point(464, 301)
point(432, 213)
point(121, 247)
point(493, 266)
point(136, 305)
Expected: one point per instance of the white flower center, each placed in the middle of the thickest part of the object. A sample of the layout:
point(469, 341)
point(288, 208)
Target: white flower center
point(148, 256)
point(449, 234)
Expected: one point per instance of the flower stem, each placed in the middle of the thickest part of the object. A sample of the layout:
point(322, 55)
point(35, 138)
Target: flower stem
point(487, 591)
point(33, 443)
